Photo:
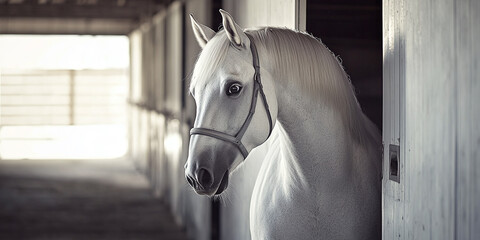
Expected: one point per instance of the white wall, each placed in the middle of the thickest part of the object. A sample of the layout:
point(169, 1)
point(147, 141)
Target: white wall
point(278, 13)
point(431, 96)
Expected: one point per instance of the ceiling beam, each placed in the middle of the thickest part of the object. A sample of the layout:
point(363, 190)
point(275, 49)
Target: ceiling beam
point(117, 9)
point(66, 26)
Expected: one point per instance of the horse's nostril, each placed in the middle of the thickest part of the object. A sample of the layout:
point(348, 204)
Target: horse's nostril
point(204, 178)
point(191, 181)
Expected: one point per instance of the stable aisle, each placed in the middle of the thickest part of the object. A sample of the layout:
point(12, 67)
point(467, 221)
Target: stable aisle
point(80, 199)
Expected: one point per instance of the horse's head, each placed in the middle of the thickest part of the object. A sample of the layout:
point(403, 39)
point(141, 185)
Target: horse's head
point(227, 91)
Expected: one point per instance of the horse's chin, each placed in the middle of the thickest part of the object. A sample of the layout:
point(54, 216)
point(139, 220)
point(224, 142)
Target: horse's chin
point(223, 184)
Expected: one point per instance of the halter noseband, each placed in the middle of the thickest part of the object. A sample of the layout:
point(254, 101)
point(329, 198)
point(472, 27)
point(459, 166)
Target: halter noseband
point(257, 87)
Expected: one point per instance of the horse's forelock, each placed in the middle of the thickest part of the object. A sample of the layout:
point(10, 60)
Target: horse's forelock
point(210, 59)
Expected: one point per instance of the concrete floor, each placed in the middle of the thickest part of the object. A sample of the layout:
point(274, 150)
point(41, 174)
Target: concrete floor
point(80, 199)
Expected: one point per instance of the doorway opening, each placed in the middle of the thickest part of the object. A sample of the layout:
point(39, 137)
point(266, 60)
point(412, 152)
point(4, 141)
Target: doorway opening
point(352, 30)
point(63, 96)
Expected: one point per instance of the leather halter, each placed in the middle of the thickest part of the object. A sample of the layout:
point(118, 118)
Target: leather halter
point(257, 87)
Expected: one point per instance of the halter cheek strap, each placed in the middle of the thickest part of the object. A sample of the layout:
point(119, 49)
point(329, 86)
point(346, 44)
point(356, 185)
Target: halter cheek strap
point(257, 88)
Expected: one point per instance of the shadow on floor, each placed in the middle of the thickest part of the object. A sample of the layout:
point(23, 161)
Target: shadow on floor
point(80, 199)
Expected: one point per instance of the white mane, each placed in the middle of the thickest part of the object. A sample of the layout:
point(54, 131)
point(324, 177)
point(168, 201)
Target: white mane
point(300, 57)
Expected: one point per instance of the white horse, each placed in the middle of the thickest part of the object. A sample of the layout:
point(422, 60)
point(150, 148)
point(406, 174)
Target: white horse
point(321, 176)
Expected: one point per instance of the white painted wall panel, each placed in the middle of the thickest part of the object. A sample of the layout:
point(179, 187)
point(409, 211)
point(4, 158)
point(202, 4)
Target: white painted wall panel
point(251, 13)
point(173, 58)
point(467, 33)
point(430, 86)
point(135, 65)
point(393, 193)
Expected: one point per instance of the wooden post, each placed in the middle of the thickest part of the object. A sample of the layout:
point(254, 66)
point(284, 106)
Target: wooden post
point(72, 96)
point(301, 15)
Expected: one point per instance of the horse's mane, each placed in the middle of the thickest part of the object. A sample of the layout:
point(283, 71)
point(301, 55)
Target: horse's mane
point(300, 57)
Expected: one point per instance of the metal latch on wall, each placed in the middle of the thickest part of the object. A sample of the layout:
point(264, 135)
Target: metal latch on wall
point(394, 162)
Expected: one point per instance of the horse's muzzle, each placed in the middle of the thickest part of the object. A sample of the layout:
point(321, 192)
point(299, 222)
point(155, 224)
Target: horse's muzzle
point(203, 182)
point(209, 164)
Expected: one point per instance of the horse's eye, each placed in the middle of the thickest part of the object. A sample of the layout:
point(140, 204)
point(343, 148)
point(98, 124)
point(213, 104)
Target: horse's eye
point(234, 89)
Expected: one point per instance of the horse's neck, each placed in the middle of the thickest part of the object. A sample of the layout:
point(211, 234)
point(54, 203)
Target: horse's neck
point(314, 139)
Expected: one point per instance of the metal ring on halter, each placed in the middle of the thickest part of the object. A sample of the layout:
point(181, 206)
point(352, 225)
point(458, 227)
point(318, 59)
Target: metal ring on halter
point(257, 88)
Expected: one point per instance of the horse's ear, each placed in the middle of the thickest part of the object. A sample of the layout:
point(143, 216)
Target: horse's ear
point(203, 34)
point(234, 32)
